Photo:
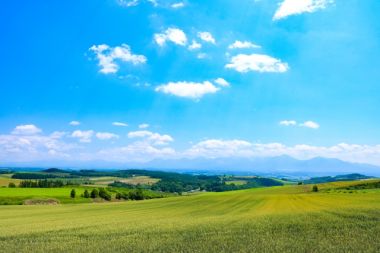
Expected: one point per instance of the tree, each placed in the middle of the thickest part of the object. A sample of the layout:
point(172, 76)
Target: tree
point(72, 193)
point(104, 194)
point(86, 194)
point(118, 196)
point(94, 193)
point(315, 188)
point(11, 185)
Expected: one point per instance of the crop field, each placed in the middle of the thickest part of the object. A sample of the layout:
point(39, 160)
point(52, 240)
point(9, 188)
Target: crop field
point(277, 219)
point(5, 179)
point(132, 180)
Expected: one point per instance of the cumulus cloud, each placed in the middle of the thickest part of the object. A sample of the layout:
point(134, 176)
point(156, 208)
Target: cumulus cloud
point(106, 136)
point(74, 123)
point(143, 126)
point(178, 5)
point(295, 7)
point(206, 36)
point(220, 148)
point(222, 82)
point(215, 148)
point(175, 35)
point(310, 124)
point(83, 136)
point(195, 45)
point(288, 123)
point(119, 124)
point(28, 144)
point(109, 57)
point(242, 44)
point(257, 62)
point(26, 130)
point(190, 90)
point(152, 138)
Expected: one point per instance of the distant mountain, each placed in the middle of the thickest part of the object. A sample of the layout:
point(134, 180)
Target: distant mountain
point(348, 177)
point(281, 165)
point(278, 166)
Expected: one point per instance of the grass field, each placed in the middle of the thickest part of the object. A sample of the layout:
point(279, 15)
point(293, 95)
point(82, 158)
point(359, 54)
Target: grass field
point(278, 219)
point(16, 196)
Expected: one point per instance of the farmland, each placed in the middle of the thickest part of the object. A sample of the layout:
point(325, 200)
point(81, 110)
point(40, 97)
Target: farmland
point(275, 219)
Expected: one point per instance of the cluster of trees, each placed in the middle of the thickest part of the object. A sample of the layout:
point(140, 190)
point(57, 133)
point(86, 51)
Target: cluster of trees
point(44, 183)
point(30, 175)
point(95, 193)
point(137, 194)
point(179, 183)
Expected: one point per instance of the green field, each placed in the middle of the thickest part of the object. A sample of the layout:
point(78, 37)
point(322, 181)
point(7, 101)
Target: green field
point(131, 180)
point(16, 196)
point(277, 219)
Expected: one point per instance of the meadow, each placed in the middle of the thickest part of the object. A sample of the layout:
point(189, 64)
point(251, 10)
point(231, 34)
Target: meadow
point(276, 219)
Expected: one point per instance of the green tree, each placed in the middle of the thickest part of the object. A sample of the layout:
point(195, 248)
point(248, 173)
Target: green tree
point(11, 185)
point(94, 193)
point(72, 193)
point(86, 194)
point(315, 188)
point(118, 195)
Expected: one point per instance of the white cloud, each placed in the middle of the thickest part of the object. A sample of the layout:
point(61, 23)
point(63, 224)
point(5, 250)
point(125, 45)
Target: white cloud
point(294, 7)
point(175, 35)
point(257, 62)
point(240, 148)
point(310, 124)
point(106, 136)
point(206, 36)
point(195, 45)
point(190, 90)
point(152, 138)
point(27, 144)
point(243, 44)
point(132, 3)
point(220, 148)
point(26, 130)
point(288, 123)
point(136, 152)
point(202, 56)
point(222, 82)
point(178, 5)
point(83, 136)
point(143, 126)
point(74, 123)
point(107, 57)
point(119, 124)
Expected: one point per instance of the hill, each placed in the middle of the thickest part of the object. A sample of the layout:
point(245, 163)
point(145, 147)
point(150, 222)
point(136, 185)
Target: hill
point(278, 219)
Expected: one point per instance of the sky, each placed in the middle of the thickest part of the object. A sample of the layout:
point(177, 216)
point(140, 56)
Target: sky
point(138, 80)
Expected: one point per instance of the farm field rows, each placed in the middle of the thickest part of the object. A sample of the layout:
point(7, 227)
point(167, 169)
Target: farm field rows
point(277, 219)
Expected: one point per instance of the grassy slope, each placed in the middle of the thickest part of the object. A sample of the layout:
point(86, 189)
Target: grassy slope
point(278, 219)
point(18, 195)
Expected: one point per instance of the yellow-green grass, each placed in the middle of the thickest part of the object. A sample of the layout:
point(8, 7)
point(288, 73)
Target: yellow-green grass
point(131, 180)
point(19, 195)
point(278, 219)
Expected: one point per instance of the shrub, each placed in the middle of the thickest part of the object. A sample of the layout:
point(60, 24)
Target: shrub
point(72, 193)
point(315, 188)
point(94, 193)
point(86, 194)
point(11, 185)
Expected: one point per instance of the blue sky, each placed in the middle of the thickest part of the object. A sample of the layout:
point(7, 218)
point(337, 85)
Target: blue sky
point(189, 79)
